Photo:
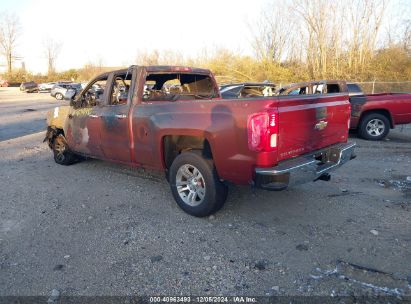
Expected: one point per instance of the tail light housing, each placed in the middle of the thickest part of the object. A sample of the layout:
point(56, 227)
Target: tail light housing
point(262, 131)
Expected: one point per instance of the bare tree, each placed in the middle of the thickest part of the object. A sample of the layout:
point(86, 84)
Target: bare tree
point(10, 30)
point(321, 26)
point(52, 49)
point(364, 23)
point(271, 33)
point(328, 38)
point(407, 36)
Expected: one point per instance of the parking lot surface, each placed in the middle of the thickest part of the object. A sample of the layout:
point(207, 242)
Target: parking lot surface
point(96, 228)
point(23, 113)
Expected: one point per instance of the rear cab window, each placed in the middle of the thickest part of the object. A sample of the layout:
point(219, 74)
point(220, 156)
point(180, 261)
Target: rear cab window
point(295, 90)
point(178, 86)
point(257, 91)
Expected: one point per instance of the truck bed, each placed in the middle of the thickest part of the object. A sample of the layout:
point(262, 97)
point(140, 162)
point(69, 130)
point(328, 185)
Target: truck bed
point(305, 124)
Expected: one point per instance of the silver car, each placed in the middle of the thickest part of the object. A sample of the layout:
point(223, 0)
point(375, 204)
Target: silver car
point(59, 90)
point(46, 86)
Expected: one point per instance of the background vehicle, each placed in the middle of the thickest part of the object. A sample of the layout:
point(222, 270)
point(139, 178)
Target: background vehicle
point(59, 90)
point(47, 86)
point(200, 140)
point(29, 87)
point(4, 83)
point(371, 115)
point(247, 89)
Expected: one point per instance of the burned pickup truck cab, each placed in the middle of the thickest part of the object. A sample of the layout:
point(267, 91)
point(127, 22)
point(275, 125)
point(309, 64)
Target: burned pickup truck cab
point(174, 119)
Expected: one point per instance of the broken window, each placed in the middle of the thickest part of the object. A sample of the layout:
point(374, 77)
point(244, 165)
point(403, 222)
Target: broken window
point(333, 88)
point(178, 86)
point(318, 89)
point(94, 93)
point(256, 91)
point(120, 89)
point(298, 91)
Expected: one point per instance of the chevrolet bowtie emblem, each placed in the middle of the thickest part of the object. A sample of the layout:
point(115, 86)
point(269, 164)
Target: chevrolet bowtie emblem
point(321, 125)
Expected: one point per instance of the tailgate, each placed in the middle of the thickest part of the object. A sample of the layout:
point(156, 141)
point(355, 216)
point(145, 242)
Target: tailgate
point(309, 123)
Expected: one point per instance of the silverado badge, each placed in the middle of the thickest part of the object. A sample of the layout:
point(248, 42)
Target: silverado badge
point(321, 125)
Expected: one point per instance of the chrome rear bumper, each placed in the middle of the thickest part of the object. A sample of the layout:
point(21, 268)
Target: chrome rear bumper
point(305, 168)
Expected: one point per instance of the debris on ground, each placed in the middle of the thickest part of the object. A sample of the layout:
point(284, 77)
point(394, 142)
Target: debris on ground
point(54, 297)
point(380, 282)
point(301, 247)
point(374, 232)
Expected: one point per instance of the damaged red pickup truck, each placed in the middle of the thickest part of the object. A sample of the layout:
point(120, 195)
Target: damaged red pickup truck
point(174, 119)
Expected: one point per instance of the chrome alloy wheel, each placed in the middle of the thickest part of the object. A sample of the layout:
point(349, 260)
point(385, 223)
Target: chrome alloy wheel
point(375, 127)
point(190, 185)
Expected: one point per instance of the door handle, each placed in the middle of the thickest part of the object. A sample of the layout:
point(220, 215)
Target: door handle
point(120, 116)
point(93, 116)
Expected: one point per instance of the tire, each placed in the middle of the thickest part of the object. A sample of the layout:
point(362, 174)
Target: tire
point(59, 96)
point(62, 154)
point(195, 184)
point(374, 126)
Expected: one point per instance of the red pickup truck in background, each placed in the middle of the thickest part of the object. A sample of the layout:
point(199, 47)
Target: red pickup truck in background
point(371, 115)
point(375, 114)
point(174, 119)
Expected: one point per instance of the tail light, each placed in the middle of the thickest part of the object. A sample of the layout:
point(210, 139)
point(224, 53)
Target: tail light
point(263, 131)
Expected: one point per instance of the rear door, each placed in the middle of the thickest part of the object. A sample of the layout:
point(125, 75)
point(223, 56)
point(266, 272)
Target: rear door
point(311, 121)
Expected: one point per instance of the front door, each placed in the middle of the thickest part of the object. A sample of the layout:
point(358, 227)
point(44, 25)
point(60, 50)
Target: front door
point(84, 123)
point(115, 136)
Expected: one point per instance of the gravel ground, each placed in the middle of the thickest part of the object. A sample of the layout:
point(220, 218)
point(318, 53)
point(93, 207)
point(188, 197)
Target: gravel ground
point(96, 228)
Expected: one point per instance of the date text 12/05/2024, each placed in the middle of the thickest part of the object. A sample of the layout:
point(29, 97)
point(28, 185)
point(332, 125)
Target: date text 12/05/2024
point(200, 299)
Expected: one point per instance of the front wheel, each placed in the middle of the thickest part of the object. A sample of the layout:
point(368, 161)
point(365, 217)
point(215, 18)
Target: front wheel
point(195, 185)
point(374, 126)
point(61, 151)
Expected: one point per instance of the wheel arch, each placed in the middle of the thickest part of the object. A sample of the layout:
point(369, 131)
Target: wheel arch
point(384, 112)
point(51, 133)
point(173, 145)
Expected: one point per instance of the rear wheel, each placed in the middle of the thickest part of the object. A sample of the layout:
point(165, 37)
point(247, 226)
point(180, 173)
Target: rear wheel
point(374, 126)
point(62, 154)
point(195, 185)
point(59, 96)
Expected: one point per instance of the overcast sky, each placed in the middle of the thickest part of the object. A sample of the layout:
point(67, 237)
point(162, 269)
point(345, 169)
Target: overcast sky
point(114, 31)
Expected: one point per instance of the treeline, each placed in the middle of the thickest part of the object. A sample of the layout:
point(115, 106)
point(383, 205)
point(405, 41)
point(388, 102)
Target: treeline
point(391, 63)
point(85, 73)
